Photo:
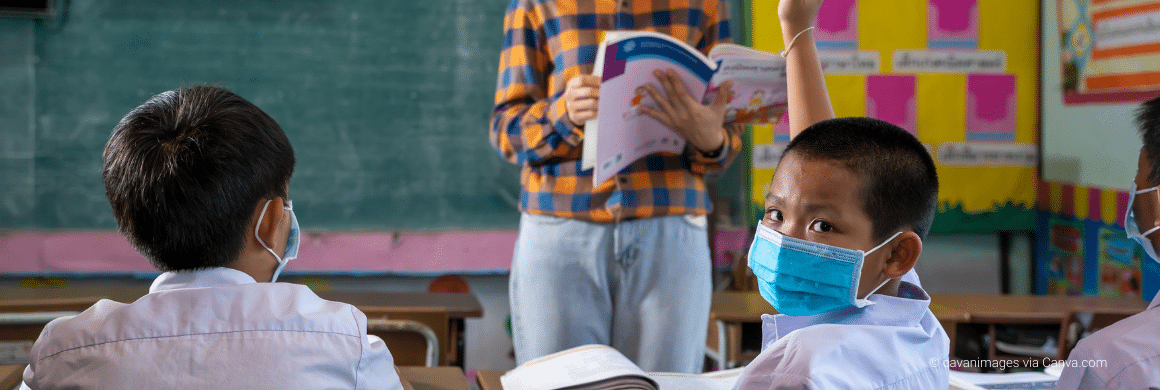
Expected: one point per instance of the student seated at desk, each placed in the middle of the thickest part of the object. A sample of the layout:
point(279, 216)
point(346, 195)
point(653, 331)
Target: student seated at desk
point(198, 179)
point(845, 215)
point(1126, 354)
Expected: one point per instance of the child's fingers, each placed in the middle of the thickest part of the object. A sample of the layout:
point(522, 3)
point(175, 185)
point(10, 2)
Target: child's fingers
point(663, 119)
point(660, 100)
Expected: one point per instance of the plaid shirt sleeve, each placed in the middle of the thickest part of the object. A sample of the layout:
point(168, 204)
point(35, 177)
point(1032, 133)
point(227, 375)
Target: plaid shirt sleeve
point(527, 126)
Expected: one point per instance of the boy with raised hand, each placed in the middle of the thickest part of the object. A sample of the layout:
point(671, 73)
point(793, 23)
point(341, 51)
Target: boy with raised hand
point(1126, 355)
point(197, 179)
point(845, 216)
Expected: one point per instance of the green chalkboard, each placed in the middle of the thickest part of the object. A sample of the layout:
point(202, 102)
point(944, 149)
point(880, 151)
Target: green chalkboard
point(386, 103)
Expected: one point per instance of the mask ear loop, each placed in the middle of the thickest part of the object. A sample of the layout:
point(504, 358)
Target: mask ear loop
point(872, 250)
point(259, 237)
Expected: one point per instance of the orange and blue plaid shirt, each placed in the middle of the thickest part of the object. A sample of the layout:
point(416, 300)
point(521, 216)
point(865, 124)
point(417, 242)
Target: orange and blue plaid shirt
point(548, 42)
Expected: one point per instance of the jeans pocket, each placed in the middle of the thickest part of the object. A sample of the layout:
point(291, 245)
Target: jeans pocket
point(541, 220)
point(696, 221)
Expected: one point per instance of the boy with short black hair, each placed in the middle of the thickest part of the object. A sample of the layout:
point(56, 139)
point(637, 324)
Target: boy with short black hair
point(845, 216)
point(1126, 354)
point(197, 179)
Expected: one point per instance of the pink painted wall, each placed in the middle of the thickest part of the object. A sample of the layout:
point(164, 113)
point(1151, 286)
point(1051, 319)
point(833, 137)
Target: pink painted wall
point(106, 252)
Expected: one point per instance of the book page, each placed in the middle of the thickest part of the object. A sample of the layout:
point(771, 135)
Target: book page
point(717, 380)
point(626, 132)
point(759, 84)
point(1019, 380)
point(581, 365)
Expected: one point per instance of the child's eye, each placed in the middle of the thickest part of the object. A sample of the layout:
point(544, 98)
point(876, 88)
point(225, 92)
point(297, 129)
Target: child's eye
point(822, 226)
point(774, 215)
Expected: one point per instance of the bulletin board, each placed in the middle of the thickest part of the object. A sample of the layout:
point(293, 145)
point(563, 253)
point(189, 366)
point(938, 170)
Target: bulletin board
point(959, 74)
point(1109, 50)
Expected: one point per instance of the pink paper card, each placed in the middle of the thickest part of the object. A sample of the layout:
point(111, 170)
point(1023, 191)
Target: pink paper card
point(781, 130)
point(893, 99)
point(837, 25)
point(992, 104)
point(953, 24)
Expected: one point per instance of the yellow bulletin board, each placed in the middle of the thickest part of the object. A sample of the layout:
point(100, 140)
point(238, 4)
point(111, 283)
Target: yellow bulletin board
point(960, 74)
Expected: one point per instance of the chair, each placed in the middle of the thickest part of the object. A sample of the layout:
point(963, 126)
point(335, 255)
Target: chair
point(385, 326)
point(21, 321)
point(405, 340)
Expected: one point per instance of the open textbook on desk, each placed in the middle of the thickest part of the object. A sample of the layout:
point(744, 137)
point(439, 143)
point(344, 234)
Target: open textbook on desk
point(600, 367)
point(625, 61)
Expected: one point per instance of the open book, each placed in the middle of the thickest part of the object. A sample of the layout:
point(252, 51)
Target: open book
point(599, 367)
point(625, 61)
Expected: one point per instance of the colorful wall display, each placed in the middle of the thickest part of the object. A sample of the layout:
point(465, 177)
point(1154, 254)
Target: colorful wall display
point(1081, 248)
point(956, 73)
point(1110, 50)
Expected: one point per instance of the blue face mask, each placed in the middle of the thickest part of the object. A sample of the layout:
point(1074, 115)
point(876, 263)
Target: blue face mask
point(1133, 229)
point(802, 278)
point(291, 241)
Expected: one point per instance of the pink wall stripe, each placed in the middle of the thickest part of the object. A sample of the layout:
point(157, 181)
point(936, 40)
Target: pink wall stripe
point(107, 252)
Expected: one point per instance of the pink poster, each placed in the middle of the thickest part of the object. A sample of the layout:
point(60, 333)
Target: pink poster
point(953, 24)
point(781, 130)
point(893, 99)
point(837, 26)
point(992, 103)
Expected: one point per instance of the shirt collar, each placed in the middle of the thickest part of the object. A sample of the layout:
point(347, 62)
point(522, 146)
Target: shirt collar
point(210, 277)
point(905, 310)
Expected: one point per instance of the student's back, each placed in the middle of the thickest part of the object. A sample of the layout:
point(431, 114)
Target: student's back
point(213, 328)
point(198, 181)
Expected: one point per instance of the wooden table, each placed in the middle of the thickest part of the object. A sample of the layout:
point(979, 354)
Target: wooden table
point(995, 310)
point(394, 305)
point(489, 379)
point(12, 376)
point(729, 310)
point(434, 378)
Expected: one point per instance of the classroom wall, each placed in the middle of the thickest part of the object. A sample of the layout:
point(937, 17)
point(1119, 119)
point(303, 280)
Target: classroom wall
point(1091, 144)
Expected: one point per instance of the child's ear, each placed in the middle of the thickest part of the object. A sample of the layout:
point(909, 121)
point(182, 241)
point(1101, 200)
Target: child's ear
point(904, 254)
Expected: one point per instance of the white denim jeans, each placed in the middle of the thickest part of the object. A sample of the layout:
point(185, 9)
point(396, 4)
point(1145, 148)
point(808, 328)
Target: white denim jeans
point(640, 286)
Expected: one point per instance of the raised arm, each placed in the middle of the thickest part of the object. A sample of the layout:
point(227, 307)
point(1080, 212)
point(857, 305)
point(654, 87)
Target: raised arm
point(527, 125)
point(809, 102)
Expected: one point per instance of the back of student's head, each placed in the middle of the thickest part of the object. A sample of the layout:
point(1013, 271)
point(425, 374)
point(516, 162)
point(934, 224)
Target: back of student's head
point(1148, 121)
point(899, 182)
point(185, 170)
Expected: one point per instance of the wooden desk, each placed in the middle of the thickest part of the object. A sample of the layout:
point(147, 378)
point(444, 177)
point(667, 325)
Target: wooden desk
point(12, 376)
point(994, 310)
point(393, 305)
point(489, 379)
point(434, 378)
point(401, 305)
point(732, 309)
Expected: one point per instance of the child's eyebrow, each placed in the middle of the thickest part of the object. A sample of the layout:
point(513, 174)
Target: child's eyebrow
point(771, 199)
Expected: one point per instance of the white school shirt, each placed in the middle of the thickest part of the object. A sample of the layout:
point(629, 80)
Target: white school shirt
point(895, 343)
point(1125, 355)
point(212, 329)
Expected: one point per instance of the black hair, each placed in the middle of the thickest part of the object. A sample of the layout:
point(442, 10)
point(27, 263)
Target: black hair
point(1148, 122)
point(899, 182)
point(185, 170)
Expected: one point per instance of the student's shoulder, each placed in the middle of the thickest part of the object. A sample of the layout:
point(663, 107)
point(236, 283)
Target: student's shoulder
point(1125, 341)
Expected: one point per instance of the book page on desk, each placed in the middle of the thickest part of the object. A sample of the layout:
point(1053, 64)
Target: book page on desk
point(717, 380)
point(584, 367)
point(626, 132)
point(1018, 380)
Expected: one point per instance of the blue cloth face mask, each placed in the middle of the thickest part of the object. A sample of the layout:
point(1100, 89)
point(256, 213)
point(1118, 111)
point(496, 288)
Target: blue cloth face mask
point(291, 241)
point(1133, 229)
point(802, 278)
